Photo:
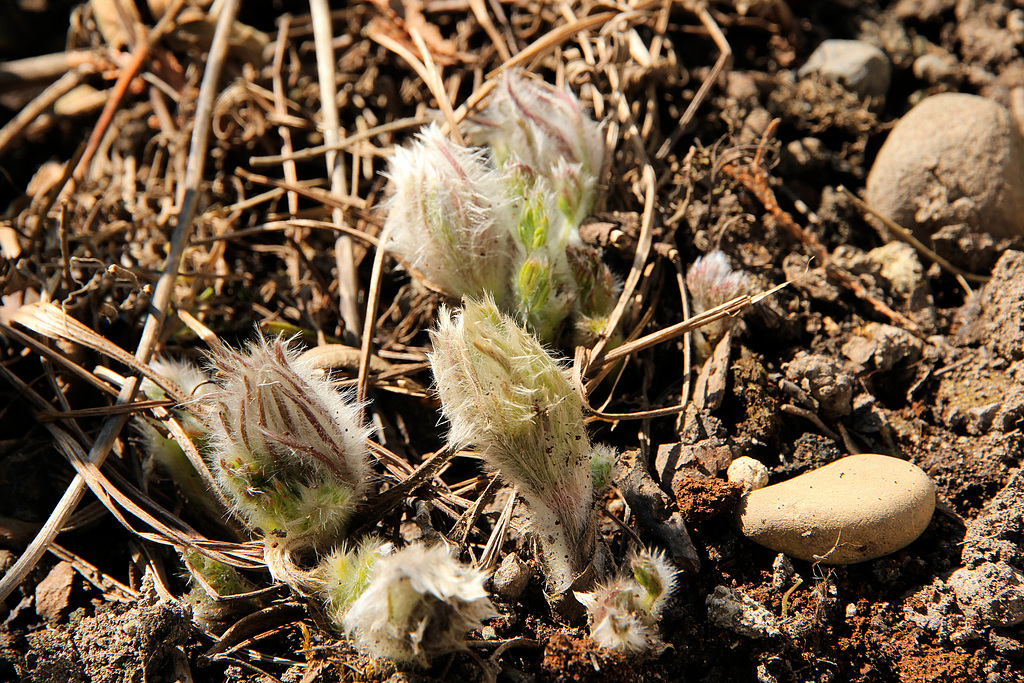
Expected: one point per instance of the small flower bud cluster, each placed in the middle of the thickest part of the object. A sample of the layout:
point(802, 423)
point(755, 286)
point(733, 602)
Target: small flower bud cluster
point(418, 603)
point(712, 282)
point(505, 395)
point(503, 220)
point(287, 448)
point(289, 453)
point(624, 613)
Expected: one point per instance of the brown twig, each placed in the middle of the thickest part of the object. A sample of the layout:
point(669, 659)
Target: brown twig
point(348, 281)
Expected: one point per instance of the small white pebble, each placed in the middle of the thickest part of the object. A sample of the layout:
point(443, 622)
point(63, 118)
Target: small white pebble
point(751, 473)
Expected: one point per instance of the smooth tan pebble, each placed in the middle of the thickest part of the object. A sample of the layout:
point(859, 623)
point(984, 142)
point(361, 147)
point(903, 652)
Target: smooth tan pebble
point(854, 509)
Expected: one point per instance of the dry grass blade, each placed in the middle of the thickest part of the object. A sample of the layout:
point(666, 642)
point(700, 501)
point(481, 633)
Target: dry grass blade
point(160, 303)
point(349, 141)
point(726, 310)
point(43, 101)
point(554, 38)
point(394, 496)
point(348, 281)
point(909, 238)
point(48, 320)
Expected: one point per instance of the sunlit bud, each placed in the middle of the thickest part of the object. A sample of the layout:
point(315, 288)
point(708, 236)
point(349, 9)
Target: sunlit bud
point(624, 613)
point(656, 578)
point(449, 217)
point(419, 603)
point(614, 622)
point(286, 447)
point(712, 282)
point(345, 573)
point(505, 395)
point(543, 127)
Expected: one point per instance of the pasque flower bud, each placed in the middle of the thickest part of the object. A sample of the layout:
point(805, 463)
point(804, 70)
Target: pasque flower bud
point(624, 613)
point(286, 447)
point(712, 282)
point(449, 217)
point(544, 128)
point(418, 603)
point(505, 395)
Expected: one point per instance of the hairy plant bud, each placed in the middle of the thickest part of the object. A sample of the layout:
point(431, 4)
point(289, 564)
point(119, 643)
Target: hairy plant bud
point(449, 217)
point(504, 394)
point(345, 573)
point(712, 282)
point(615, 623)
point(545, 128)
point(624, 613)
point(419, 603)
point(287, 448)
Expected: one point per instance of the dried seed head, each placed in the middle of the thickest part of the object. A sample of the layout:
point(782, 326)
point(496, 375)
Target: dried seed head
point(420, 603)
point(504, 394)
point(287, 448)
point(449, 217)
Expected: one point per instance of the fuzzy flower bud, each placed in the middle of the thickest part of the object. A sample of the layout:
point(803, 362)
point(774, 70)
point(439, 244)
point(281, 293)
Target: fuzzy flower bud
point(504, 394)
point(345, 573)
point(545, 128)
point(656, 578)
point(712, 282)
point(163, 452)
point(448, 216)
point(287, 448)
point(614, 620)
point(419, 603)
point(624, 613)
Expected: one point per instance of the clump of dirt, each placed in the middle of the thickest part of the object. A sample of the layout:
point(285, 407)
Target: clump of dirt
point(120, 643)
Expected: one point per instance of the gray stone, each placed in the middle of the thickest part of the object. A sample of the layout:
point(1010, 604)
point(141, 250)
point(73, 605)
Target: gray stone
point(738, 612)
point(860, 66)
point(511, 578)
point(994, 590)
point(952, 159)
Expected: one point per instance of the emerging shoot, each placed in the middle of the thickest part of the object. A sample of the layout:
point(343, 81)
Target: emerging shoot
point(505, 395)
point(624, 613)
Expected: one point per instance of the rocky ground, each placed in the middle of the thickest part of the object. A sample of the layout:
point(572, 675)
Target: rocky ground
point(903, 340)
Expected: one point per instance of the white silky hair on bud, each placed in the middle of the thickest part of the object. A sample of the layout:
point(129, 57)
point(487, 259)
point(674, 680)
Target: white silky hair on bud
point(624, 613)
point(287, 448)
point(503, 393)
point(419, 603)
point(448, 216)
point(712, 282)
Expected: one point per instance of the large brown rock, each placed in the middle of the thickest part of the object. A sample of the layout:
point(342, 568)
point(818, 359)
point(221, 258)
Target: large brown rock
point(952, 159)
